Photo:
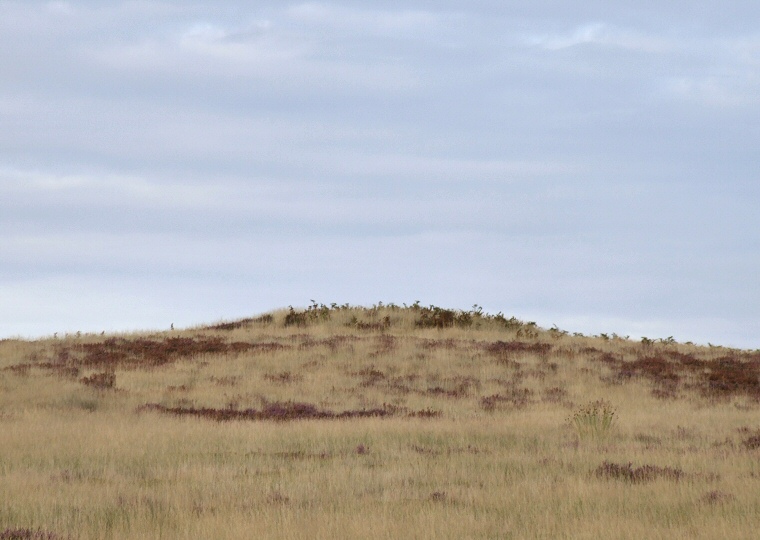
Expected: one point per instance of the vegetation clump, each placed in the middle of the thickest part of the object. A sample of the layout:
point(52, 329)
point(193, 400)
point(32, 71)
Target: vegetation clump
point(638, 475)
point(28, 534)
point(594, 420)
point(516, 397)
point(101, 381)
point(286, 411)
point(242, 323)
point(435, 317)
point(313, 314)
point(731, 373)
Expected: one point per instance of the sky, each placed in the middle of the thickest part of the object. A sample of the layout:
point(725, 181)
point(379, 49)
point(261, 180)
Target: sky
point(591, 165)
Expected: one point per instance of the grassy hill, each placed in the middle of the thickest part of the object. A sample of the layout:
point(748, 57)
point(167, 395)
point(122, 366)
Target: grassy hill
point(382, 422)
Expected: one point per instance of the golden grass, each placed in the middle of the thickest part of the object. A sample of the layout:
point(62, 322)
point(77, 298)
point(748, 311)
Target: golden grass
point(116, 436)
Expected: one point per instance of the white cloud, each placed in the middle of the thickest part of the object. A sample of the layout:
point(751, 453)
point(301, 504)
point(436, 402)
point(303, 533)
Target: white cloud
point(203, 33)
point(199, 51)
point(287, 60)
point(54, 19)
point(251, 201)
point(715, 91)
point(727, 76)
point(407, 22)
point(59, 6)
point(434, 169)
point(713, 71)
point(745, 50)
point(101, 188)
point(602, 34)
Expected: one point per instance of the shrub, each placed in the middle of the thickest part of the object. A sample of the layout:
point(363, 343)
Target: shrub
point(435, 317)
point(314, 313)
point(295, 318)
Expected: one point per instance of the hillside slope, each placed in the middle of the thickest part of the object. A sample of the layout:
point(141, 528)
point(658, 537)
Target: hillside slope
point(340, 421)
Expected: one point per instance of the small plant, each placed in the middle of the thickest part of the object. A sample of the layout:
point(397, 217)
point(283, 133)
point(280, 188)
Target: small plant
point(594, 420)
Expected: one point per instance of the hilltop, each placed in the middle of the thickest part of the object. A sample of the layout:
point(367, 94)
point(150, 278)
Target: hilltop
point(396, 420)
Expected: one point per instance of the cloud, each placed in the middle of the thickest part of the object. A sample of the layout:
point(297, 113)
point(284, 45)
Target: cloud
point(602, 35)
point(676, 65)
point(40, 203)
point(243, 57)
point(535, 158)
point(727, 76)
point(36, 187)
point(92, 20)
point(198, 50)
point(59, 6)
point(395, 23)
point(715, 91)
point(432, 170)
point(124, 48)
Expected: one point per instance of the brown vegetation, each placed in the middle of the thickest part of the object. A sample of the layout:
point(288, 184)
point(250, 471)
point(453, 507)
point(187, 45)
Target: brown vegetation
point(287, 411)
point(645, 473)
point(28, 534)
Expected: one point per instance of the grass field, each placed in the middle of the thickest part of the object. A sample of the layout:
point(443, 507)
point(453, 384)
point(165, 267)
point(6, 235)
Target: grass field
point(383, 422)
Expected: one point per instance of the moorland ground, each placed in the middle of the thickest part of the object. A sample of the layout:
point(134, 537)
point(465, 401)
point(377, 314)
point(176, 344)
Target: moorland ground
point(382, 422)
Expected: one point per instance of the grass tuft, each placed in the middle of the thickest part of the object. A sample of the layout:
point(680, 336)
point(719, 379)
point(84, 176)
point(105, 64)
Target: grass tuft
point(593, 421)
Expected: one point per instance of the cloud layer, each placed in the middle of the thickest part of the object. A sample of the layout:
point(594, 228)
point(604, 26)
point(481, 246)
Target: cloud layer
point(188, 161)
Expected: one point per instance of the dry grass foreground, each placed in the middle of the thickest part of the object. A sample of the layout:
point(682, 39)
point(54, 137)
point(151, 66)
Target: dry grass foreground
point(383, 422)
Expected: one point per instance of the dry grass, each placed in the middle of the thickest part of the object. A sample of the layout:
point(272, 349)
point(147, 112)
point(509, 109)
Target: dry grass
point(384, 422)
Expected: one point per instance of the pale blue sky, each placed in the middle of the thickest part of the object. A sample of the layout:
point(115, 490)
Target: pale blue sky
point(592, 165)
